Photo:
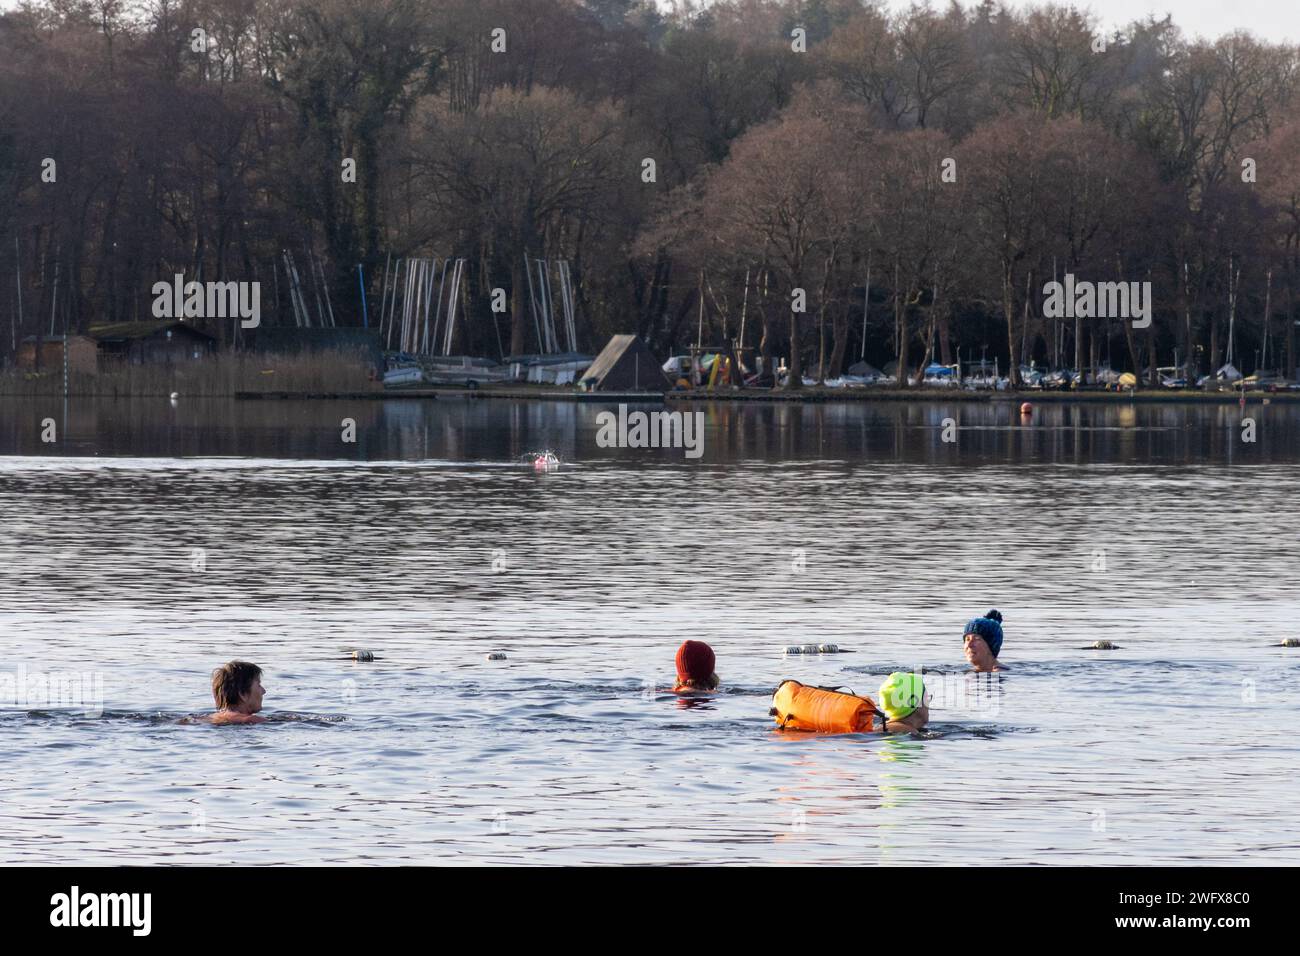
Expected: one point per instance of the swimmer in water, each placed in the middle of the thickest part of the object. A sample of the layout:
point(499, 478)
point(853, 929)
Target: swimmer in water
point(983, 641)
point(238, 691)
point(695, 663)
point(904, 702)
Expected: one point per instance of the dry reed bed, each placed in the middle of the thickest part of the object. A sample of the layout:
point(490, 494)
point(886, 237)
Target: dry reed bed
point(219, 376)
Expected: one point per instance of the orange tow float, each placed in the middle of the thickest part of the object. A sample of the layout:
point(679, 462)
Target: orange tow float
point(799, 707)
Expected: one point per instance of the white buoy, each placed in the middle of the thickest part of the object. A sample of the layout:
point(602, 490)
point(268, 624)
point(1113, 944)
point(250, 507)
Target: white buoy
point(1291, 642)
point(363, 655)
point(174, 396)
point(496, 656)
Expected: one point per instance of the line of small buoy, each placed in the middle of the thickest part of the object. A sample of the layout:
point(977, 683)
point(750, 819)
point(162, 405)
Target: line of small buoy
point(367, 656)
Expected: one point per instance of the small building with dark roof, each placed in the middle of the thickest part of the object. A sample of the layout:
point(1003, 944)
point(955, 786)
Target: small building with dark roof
point(45, 354)
point(624, 365)
point(163, 341)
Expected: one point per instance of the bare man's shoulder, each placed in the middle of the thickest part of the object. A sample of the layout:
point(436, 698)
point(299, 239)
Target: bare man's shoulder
point(223, 717)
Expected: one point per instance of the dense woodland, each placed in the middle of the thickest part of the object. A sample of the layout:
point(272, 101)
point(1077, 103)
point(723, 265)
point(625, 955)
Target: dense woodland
point(794, 145)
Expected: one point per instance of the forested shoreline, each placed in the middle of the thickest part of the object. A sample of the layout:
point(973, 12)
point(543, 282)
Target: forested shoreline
point(699, 168)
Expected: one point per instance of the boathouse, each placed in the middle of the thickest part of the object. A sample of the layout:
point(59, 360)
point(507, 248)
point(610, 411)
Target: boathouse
point(164, 341)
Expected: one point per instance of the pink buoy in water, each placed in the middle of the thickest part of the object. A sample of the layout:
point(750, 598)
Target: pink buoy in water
point(1026, 408)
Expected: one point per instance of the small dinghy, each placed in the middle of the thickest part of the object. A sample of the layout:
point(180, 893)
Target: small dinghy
point(407, 375)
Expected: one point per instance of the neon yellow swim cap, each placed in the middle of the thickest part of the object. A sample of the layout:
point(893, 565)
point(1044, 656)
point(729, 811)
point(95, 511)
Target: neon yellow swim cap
point(901, 694)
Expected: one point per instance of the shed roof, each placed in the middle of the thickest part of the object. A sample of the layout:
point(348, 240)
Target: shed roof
point(129, 331)
point(56, 338)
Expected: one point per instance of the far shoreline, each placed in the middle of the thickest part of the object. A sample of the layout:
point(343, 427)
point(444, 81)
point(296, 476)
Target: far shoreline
point(87, 388)
point(806, 395)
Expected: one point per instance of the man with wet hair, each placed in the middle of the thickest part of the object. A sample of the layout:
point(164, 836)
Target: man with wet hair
point(238, 691)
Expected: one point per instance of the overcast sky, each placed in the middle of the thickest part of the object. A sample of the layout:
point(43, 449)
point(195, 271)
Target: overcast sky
point(1273, 20)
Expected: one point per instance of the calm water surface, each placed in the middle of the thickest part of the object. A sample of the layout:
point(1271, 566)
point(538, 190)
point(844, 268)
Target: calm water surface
point(152, 541)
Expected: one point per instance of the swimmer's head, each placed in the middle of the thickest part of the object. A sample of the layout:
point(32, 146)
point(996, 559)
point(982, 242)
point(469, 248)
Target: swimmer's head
point(704, 683)
point(902, 694)
point(695, 663)
point(982, 639)
point(237, 686)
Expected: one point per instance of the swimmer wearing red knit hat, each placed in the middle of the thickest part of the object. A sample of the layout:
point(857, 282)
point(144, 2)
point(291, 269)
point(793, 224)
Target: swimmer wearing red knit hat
point(695, 662)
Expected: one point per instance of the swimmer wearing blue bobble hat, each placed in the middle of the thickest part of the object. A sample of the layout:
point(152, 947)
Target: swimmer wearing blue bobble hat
point(983, 642)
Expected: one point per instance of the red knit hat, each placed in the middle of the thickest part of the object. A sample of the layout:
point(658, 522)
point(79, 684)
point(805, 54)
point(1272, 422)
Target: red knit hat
point(695, 661)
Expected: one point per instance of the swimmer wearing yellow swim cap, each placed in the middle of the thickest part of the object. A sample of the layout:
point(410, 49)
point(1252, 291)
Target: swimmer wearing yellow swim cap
point(902, 698)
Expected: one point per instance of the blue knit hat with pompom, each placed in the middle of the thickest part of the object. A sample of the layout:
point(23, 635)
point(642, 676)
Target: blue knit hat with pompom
point(988, 627)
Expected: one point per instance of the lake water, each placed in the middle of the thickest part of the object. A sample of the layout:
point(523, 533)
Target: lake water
point(150, 542)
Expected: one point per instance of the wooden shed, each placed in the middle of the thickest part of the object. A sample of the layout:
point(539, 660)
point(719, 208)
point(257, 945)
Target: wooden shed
point(45, 354)
point(165, 341)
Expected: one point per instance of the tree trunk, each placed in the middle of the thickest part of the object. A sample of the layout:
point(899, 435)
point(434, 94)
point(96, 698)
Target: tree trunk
point(1094, 350)
point(683, 312)
point(929, 343)
point(1078, 347)
point(904, 338)
point(1215, 362)
point(1290, 370)
point(795, 380)
point(1009, 310)
point(1153, 377)
point(519, 307)
point(1130, 340)
point(1188, 345)
point(821, 320)
point(840, 337)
